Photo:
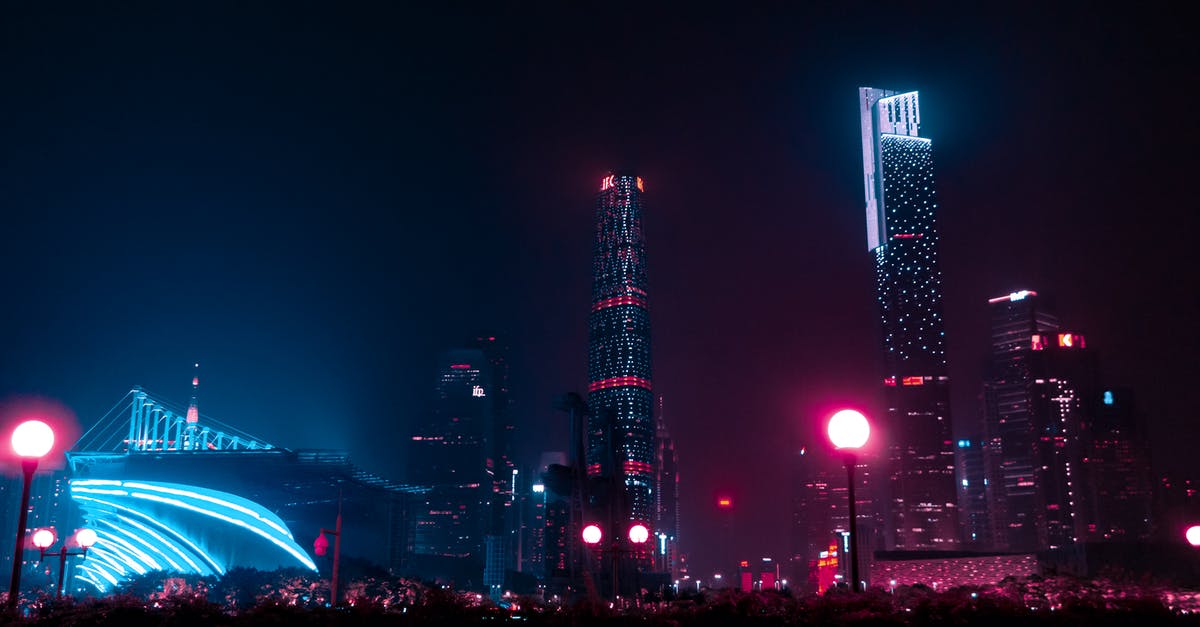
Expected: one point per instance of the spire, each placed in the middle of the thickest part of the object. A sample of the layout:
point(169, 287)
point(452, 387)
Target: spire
point(193, 412)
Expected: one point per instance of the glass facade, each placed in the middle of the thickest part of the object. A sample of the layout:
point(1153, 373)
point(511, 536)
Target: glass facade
point(902, 235)
point(619, 367)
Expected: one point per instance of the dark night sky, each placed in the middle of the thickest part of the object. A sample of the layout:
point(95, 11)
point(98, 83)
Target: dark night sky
point(311, 201)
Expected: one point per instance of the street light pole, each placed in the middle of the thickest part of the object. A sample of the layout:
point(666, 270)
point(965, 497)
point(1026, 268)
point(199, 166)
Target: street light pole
point(31, 440)
point(849, 430)
point(28, 466)
point(320, 545)
point(851, 462)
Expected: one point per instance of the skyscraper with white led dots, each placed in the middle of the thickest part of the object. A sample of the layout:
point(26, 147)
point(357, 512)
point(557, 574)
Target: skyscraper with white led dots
point(902, 236)
point(621, 426)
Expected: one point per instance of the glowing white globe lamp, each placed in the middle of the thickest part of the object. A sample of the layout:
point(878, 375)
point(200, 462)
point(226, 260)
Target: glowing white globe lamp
point(43, 538)
point(639, 534)
point(1193, 535)
point(85, 538)
point(849, 429)
point(32, 439)
point(592, 534)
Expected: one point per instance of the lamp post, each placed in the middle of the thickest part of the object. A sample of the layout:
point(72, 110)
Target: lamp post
point(639, 534)
point(321, 545)
point(849, 430)
point(31, 440)
point(44, 538)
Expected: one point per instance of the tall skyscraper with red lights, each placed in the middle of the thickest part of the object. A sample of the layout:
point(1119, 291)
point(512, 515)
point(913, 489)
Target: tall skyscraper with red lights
point(902, 236)
point(621, 427)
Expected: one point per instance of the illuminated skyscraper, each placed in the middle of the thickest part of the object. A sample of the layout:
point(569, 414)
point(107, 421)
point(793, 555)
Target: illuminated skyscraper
point(449, 454)
point(1117, 496)
point(666, 497)
point(1036, 415)
point(621, 427)
point(901, 208)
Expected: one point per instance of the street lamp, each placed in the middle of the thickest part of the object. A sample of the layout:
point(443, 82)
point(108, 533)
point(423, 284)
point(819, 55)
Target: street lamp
point(44, 538)
point(849, 430)
point(31, 440)
point(638, 535)
point(1193, 535)
point(321, 546)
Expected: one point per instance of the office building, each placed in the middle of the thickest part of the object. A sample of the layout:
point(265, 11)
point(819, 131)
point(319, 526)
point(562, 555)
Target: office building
point(902, 236)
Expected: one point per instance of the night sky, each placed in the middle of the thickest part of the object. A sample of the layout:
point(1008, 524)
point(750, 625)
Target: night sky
point(313, 200)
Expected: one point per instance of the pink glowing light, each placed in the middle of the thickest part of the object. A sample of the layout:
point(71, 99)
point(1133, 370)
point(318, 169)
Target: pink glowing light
point(849, 429)
point(43, 538)
point(32, 439)
point(592, 534)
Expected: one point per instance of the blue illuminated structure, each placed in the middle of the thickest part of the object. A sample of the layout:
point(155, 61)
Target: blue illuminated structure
point(144, 526)
point(169, 489)
point(902, 237)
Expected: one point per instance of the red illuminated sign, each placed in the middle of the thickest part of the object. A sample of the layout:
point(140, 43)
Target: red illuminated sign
point(890, 382)
point(725, 502)
point(641, 187)
point(913, 381)
point(1071, 340)
point(460, 366)
point(1038, 343)
point(607, 183)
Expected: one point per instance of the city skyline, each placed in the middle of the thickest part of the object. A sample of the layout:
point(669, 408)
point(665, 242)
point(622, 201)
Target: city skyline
point(314, 251)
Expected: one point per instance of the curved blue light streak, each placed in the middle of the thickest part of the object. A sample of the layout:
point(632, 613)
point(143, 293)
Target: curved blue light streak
point(133, 539)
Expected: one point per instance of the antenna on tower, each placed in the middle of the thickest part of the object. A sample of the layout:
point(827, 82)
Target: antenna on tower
point(193, 412)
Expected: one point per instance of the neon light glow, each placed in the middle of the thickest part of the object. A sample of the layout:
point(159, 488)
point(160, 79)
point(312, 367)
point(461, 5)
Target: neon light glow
point(619, 300)
point(913, 381)
point(145, 526)
point(848, 429)
point(32, 439)
point(1108, 397)
point(43, 538)
point(632, 467)
point(1013, 297)
point(607, 182)
point(592, 534)
point(619, 382)
point(1038, 343)
point(1071, 340)
point(639, 534)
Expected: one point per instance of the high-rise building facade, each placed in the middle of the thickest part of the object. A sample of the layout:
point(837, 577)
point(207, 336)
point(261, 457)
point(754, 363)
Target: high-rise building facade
point(666, 500)
point(972, 495)
point(1035, 399)
point(902, 235)
point(1117, 493)
point(621, 428)
point(450, 455)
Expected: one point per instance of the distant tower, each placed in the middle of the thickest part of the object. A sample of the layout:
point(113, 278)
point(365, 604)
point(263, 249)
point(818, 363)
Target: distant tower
point(193, 412)
point(619, 366)
point(902, 236)
point(666, 495)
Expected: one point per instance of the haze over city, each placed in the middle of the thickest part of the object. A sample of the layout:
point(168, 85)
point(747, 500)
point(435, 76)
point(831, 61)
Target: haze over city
point(313, 202)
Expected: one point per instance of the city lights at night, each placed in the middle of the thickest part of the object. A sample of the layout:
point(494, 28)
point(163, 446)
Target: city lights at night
point(564, 313)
